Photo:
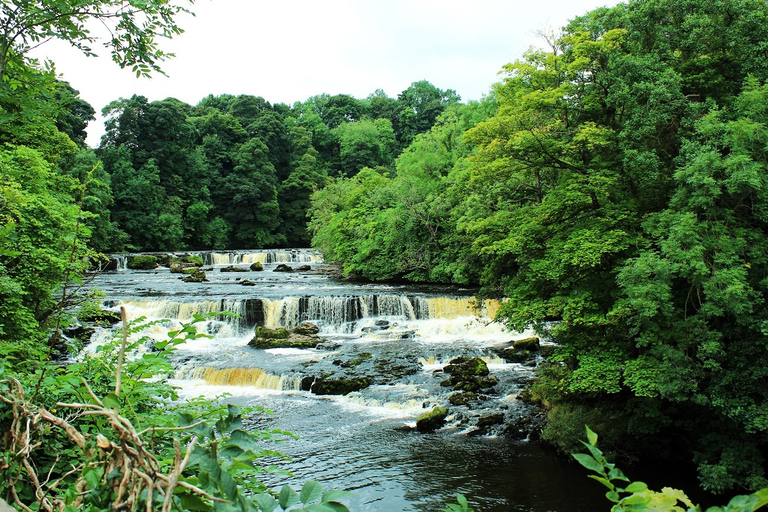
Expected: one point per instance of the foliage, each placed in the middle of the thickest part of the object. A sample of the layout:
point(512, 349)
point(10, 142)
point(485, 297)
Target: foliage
point(614, 196)
point(627, 495)
point(42, 247)
point(134, 26)
point(100, 433)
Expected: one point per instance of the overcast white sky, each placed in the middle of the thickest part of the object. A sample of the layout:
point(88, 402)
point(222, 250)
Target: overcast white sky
point(287, 51)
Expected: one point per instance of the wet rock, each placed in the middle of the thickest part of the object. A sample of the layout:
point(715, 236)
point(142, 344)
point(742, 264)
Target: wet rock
point(247, 282)
point(515, 356)
point(178, 267)
point(357, 361)
point(233, 268)
point(283, 268)
point(526, 426)
point(389, 370)
point(306, 329)
point(99, 317)
point(431, 420)
point(280, 337)
point(464, 367)
point(468, 374)
point(530, 344)
point(335, 386)
point(303, 268)
point(142, 262)
point(256, 266)
point(492, 419)
point(462, 398)
point(194, 275)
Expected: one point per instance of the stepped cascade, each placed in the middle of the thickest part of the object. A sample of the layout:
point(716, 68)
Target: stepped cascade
point(379, 357)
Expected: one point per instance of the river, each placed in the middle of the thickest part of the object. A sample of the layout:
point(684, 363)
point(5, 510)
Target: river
point(401, 336)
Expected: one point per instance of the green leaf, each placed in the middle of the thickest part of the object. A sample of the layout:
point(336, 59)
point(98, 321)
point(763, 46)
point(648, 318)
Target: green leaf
point(266, 502)
point(310, 492)
point(191, 501)
point(588, 462)
point(288, 497)
point(334, 495)
point(111, 401)
point(591, 436)
point(603, 481)
point(635, 487)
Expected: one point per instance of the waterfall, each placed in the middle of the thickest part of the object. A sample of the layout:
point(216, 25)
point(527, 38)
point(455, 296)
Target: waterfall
point(252, 377)
point(263, 257)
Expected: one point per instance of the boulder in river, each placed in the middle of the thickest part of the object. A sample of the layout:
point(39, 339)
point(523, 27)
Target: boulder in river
point(531, 344)
point(431, 420)
point(142, 262)
point(283, 268)
point(335, 386)
point(232, 268)
point(256, 266)
point(468, 374)
point(193, 275)
point(280, 337)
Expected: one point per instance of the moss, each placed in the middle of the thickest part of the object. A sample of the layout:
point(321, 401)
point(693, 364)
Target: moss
point(256, 266)
point(280, 333)
point(99, 317)
point(357, 361)
point(339, 386)
point(530, 344)
point(431, 420)
point(462, 398)
point(196, 276)
point(142, 262)
point(233, 268)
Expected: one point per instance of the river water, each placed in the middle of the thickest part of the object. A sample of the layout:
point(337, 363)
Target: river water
point(364, 442)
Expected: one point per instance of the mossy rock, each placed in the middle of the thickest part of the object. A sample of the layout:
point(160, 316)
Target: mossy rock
point(178, 267)
point(303, 268)
point(431, 420)
point(100, 317)
point(247, 282)
point(283, 268)
point(462, 398)
point(473, 384)
point(142, 262)
point(340, 386)
point(515, 356)
point(357, 361)
point(531, 344)
point(492, 419)
point(280, 337)
point(256, 266)
point(195, 276)
point(306, 329)
point(278, 333)
point(233, 268)
point(464, 367)
point(188, 260)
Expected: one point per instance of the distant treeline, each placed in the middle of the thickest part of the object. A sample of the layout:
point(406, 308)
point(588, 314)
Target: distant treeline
point(237, 171)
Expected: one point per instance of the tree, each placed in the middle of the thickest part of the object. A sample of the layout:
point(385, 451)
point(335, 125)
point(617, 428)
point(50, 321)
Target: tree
point(365, 143)
point(252, 210)
point(134, 28)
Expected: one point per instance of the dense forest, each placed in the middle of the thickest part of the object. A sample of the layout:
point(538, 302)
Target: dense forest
point(611, 191)
point(238, 172)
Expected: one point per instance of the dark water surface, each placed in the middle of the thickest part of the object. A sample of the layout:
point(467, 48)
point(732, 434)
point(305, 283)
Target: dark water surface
point(363, 442)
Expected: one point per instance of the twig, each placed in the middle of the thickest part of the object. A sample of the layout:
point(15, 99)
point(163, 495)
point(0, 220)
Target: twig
point(124, 317)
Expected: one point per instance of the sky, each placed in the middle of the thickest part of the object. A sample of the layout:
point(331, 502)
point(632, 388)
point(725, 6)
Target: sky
point(287, 51)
